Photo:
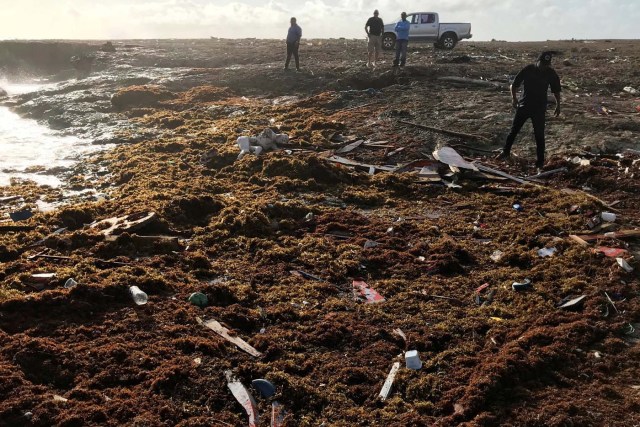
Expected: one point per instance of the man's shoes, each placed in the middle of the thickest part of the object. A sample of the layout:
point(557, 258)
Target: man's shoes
point(286, 69)
point(368, 64)
point(503, 155)
point(539, 171)
point(298, 70)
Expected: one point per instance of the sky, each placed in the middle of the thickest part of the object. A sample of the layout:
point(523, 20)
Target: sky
point(513, 20)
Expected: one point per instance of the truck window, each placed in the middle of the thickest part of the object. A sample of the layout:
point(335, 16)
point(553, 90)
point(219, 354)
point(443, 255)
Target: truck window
point(415, 19)
point(427, 18)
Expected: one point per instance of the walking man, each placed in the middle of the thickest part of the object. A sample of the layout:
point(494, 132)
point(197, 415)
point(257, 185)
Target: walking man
point(374, 28)
point(402, 40)
point(537, 78)
point(293, 43)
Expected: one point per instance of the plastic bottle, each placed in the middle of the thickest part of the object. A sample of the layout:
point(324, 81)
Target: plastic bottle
point(139, 297)
point(70, 283)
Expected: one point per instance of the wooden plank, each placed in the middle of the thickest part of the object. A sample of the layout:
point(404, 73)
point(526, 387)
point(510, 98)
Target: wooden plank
point(7, 199)
point(445, 131)
point(591, 196)
point(224, 333)
point(350, 147)
point(362, 166)
point(386, 388)
point(624, 234)
point(484, 168)
point(468, 81)
point(548, 173)
point(578, 240)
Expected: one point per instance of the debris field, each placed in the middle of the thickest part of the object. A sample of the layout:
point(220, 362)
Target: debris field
point(327, 259)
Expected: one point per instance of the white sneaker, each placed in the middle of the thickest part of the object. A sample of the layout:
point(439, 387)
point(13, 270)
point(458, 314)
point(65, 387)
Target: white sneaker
point(368, 64)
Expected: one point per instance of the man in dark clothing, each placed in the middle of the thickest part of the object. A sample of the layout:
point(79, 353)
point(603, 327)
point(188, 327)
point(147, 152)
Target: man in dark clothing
point(374, 28)
point(537, 78)
point(293, 43)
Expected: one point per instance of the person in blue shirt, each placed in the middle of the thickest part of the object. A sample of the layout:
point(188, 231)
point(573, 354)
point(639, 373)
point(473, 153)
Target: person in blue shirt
point(293, 43)
point(402, 40)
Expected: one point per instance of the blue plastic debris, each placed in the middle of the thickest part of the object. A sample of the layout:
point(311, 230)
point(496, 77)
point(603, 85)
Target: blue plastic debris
point(265, 388)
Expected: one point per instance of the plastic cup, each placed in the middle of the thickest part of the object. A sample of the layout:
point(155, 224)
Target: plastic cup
point(608, 216)
point(412, 360)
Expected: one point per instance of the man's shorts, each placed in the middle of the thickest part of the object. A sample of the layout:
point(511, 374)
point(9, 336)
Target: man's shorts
point(375, 44)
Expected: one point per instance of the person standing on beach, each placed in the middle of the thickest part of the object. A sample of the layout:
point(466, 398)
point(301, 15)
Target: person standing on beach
point(402, 40)
point(293, 43)
point(537, 79)
point(374, 28)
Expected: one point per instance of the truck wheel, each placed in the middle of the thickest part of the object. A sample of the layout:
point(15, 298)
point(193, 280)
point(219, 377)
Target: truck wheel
point(448, 40)
point(388, 41)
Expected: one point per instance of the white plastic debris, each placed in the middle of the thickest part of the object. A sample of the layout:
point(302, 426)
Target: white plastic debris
point(608, 216)
point(624, 265)
point(267, 140)
point(496, 255)
point(547, 252)
point(370, 244)
point(630, 90)
point(412, 360)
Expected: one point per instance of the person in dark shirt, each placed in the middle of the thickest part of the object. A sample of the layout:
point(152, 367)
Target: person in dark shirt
point(293, 43)
point(374, 28)
point(537, 78)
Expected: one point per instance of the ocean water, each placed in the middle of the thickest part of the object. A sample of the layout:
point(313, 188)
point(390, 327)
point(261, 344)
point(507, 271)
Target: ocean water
point(29, 150)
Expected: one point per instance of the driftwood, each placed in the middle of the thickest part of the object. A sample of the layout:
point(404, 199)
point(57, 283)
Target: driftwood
point(349, 147)
point(484, 168)
point(445, 131)
point(591, 196)
point(468, 147)
point(468, 81)
point(386, 387)
point(548, 173)
point(614, 234)
point(224, 333)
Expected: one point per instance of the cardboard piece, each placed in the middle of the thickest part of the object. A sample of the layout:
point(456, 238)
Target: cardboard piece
point(364, 291)
point(610, 252)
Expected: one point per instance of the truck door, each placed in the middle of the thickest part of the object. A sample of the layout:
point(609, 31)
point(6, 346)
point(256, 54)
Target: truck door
point(417, 29)
point(429, 26)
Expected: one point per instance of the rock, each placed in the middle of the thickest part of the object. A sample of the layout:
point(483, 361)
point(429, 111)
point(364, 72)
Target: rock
point(139, 96)
point(3, 92)
point(567, 63)
point(108, 47)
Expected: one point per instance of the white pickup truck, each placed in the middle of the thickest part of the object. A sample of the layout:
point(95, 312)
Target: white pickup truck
point(426, 26)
